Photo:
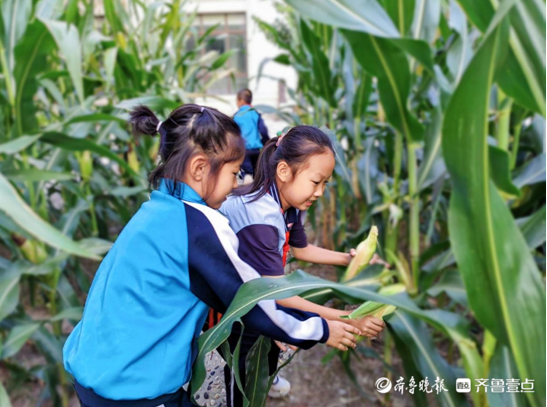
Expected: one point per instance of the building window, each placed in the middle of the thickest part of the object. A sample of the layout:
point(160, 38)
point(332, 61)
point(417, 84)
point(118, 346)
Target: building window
point(230, 35)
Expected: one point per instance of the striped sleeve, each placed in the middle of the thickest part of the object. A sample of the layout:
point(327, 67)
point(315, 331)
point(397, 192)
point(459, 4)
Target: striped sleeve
point(217, 272)
point(258, 248)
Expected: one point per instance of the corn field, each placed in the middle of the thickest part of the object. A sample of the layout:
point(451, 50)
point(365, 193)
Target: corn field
point(437, 112)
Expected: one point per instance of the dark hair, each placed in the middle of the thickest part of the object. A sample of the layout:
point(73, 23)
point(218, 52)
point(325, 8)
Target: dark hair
point(246, 95)
point(189, 130)
point(294, 147)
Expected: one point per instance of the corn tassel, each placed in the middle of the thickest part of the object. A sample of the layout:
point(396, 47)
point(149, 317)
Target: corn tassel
point(365, 251)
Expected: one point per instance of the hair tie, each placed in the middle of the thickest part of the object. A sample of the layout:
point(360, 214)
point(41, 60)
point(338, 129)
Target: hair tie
point(202, 108)
point(281, 134)
point(158, 126)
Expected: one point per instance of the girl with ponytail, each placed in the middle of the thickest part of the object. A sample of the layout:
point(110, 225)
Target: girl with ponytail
point(177, 256)
point(268, 217)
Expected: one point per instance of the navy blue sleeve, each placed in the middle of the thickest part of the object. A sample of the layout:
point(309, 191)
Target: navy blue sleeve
point(263, 130)
point(217, 272)
point(297, 236)
point(258, 247)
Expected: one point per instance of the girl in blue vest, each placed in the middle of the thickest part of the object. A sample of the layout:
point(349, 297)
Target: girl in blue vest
point(176, 257)
point(268, 218)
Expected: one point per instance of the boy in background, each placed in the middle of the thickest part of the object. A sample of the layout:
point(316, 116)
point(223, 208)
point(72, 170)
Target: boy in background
point(253, 130)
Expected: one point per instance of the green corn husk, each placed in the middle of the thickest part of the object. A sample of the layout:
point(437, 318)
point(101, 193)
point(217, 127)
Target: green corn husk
point(377, 309)
point(365, 251)
point(32, 250)
point(86, 164)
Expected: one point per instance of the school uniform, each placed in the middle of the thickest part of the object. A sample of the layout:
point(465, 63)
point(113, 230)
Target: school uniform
point(265, 234)
point(137, 340)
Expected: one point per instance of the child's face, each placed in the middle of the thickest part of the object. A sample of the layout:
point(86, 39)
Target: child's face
point(226, 182)
point(301, 190)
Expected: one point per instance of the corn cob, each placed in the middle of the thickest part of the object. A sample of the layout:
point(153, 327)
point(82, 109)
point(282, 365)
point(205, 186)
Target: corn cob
point(32, 250)
point(365, 251)
point(86, 164)
point(377, 309)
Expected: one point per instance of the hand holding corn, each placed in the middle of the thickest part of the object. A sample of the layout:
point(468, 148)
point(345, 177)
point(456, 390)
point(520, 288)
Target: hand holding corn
point(376, 309)
point(342, 335)
point(369, 325)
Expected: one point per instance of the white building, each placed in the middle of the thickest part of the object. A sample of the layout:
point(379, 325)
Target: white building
point(238, 30)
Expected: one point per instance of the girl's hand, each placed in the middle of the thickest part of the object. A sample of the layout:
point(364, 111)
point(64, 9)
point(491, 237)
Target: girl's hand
point(284, 346)
point(375, 259)
point(352, 253)
point(342, 335)
point(378, 260)
point(369, 325)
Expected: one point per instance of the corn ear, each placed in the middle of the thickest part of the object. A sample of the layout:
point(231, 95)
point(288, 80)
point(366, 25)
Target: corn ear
point(365, 251)
point(86, 164)
point(32, 250)
point(377, 309)
point(122, 43)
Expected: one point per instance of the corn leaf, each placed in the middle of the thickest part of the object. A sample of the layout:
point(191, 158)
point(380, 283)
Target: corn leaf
point(18, 210)
point(258, 372)
point(365, 15)
point(16, 14)
point(4, 398)
point(20, 143)
point(426, 20)
point(500, 170)
point(426, 357)
point(9, 292)
point(68, 41)
point(502, 365)
point(17, 338)
point(523, 73)
point(533, 228)
point(503, 284)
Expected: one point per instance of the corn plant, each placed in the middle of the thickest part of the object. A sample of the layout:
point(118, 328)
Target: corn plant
point(71, 175)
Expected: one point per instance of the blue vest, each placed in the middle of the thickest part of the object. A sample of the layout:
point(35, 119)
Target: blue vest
point(137, 337)
point(247, 120)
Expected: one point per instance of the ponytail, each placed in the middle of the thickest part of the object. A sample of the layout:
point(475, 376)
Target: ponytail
point(144, 121)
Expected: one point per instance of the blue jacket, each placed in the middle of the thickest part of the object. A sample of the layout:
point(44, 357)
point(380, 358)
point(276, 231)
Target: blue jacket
point(248, 121)
point(150, 296)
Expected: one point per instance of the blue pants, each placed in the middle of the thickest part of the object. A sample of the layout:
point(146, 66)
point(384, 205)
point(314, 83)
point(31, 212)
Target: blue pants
point(250, 161)
point(88, 398)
